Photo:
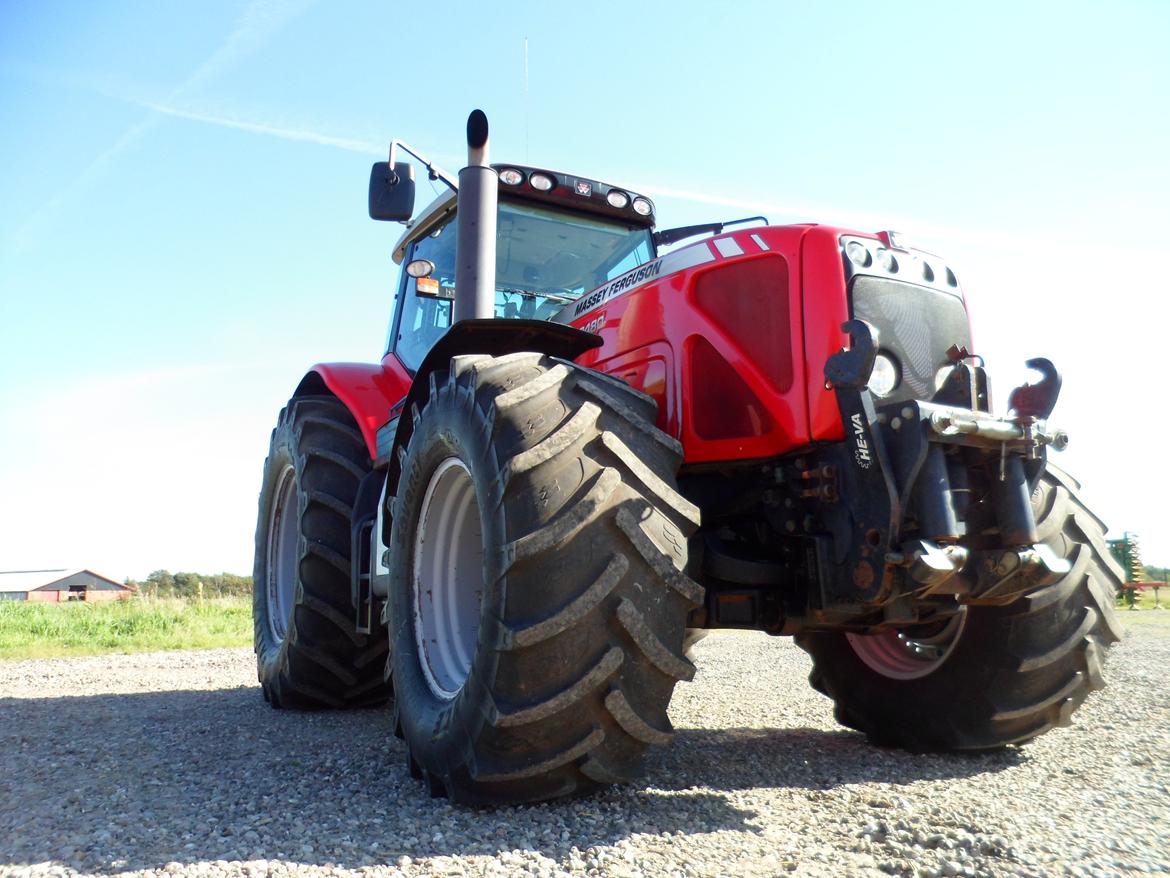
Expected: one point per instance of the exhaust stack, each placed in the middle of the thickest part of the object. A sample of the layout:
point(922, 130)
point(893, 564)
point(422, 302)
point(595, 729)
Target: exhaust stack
point(475, 271)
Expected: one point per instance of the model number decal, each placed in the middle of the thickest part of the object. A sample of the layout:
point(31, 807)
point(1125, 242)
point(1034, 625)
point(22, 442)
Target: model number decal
point(861, 452)
point(595, 324)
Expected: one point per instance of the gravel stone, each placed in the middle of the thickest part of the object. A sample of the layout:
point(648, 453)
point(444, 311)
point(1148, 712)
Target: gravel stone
point(172, 764)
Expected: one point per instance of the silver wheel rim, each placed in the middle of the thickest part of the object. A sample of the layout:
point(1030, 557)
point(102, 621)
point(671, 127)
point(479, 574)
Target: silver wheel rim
point(908, 654)
point(281, 560)
point(447, 579)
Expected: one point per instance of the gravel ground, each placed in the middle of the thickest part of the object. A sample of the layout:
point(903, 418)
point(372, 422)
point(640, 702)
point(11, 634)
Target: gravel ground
point(172, 764)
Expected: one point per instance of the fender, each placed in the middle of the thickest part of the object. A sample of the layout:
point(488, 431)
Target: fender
point(368, 390)
point(493, 337)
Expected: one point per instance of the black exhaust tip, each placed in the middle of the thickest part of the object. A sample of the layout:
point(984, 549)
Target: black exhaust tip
point(477, 129)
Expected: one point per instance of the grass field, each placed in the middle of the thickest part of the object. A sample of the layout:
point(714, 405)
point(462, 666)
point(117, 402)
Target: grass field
point(1145, 599)
point(1147, 613)
point(36, 630)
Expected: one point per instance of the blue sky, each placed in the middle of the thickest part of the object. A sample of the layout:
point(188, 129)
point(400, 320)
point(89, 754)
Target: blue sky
point(183, 226)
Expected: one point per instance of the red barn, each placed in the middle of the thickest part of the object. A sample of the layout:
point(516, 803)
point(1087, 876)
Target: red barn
point(59, 585)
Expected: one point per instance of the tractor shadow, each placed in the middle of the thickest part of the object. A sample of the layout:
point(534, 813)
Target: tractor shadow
point(804, 758)
point(109, 783)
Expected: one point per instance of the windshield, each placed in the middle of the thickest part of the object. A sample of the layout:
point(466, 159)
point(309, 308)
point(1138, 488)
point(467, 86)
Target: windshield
point(544, 259)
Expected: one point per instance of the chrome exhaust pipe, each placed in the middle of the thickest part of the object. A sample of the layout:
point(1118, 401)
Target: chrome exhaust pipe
point(475, 271)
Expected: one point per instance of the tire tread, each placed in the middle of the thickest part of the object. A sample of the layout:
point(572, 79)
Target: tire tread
point(323, 661)
point(589, 667)
point(1025, 669)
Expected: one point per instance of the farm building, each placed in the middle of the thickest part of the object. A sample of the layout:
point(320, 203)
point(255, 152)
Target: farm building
point(59, 585)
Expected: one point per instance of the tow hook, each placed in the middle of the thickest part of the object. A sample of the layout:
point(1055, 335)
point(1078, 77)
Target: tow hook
point(1037, 400)
point(1026, 431)
point(1032, 403)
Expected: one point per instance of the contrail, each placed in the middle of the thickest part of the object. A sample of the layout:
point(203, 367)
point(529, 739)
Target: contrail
point(362, 146)
point(253, 29)
point(255, 26)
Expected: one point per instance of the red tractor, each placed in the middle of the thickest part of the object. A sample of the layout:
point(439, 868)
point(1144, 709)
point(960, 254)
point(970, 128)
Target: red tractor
point(577, 453)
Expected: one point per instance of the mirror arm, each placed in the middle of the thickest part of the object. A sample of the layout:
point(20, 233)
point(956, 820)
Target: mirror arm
point(435, 172)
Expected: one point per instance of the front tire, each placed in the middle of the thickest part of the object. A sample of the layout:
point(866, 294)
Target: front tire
point(308, 652)
point(993, 675)
point(537, 601)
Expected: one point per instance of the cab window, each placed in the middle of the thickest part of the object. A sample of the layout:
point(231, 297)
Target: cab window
point(545, 259)
point(426, 317)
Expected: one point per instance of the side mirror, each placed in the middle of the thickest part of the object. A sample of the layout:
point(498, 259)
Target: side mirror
point(392, 192)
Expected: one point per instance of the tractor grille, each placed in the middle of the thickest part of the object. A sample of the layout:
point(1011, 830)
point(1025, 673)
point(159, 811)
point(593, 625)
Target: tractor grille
point(917, 325)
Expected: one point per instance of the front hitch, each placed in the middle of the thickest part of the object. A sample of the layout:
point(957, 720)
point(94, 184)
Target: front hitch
point(917, 457)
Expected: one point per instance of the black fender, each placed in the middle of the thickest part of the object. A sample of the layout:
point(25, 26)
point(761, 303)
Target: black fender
point(493, 337)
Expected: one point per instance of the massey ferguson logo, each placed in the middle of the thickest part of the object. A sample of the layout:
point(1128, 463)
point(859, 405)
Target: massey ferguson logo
point(632, 279)
point(861, 453)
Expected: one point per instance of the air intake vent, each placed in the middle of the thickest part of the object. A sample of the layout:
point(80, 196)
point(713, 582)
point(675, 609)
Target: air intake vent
point(724, 407)
point(749, 301)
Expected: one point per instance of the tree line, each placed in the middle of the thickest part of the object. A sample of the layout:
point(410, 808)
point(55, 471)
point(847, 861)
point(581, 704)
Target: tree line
point(164, 584)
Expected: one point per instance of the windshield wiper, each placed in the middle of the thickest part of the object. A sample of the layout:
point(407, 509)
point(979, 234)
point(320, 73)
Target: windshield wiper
point(672, 236)
point(532, 294)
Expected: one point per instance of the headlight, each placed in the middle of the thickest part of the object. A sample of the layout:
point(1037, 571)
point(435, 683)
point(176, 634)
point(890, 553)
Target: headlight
point(511, 177)
point(541, 182)
point(643, 206)
point(420, 268)
point(887, 259)
point(617, 198)
point(884, 377)
point(858, 253)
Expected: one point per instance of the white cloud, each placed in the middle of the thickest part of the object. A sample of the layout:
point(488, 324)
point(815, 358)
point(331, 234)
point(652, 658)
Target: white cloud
point(131, 472)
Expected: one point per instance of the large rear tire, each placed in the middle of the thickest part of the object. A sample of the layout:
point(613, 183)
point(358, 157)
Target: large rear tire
point(308, 652)
point(994, 675)
point(537, 602)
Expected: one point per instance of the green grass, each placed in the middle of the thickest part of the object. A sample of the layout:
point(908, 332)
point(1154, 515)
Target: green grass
point(1145, 599)
point(1146, 613)
point(38, 630)
point(1159, 618)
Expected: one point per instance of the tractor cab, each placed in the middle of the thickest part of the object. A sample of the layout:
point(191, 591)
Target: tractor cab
point(558, 236)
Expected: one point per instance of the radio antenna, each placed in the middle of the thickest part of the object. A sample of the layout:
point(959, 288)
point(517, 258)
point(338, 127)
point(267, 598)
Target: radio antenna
point(526, 100)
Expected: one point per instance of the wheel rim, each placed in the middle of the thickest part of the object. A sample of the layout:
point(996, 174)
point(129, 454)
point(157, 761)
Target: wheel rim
point(447, 579)
point(902, 654)
point(281, 561)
